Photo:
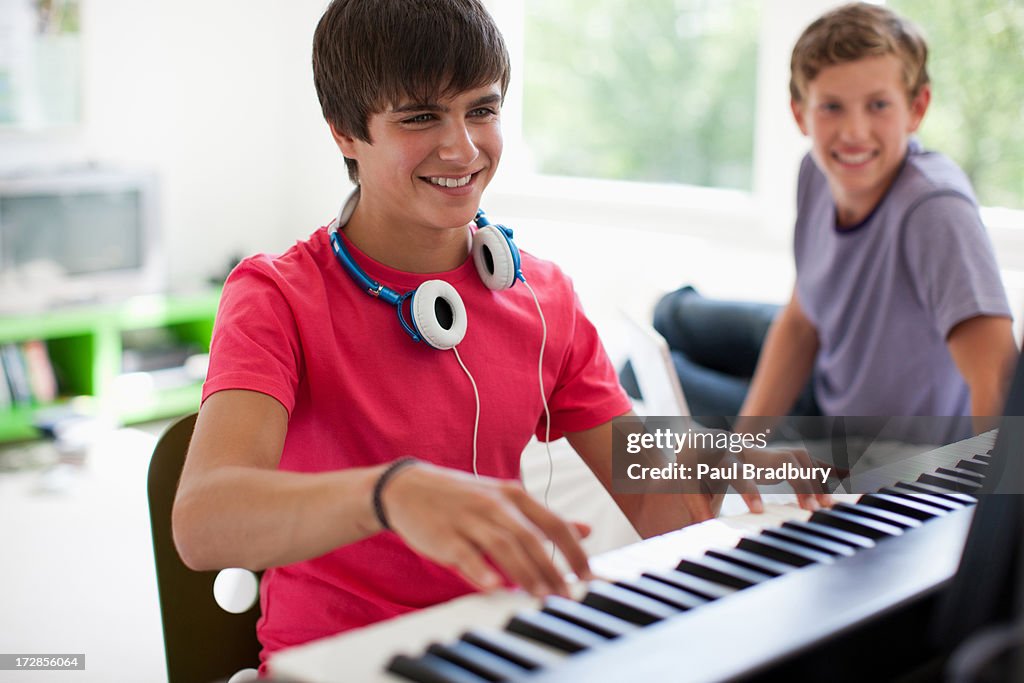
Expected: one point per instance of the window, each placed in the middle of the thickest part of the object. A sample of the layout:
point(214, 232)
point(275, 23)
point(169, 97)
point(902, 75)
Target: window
point(647, 90)
point(976, 58)
point(683, 95)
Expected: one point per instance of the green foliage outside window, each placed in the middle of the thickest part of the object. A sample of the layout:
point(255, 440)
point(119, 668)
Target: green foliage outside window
point(976, 62)
point(645, 90)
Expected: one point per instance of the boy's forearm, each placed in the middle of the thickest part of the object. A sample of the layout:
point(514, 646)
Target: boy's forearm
point(985, 354)
point(652, 514)
point(783, 369)
point(987, 398)
point(218, 524)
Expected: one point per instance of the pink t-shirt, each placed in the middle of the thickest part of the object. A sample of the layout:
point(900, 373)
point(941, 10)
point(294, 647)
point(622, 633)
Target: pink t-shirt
point(360, 392)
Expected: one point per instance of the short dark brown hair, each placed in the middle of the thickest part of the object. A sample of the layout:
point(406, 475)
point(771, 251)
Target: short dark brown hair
point(369, 54)
point(855, 31)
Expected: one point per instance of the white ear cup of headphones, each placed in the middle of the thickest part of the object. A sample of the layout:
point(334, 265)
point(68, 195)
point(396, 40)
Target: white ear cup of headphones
point(438, 314)
point(493, 258)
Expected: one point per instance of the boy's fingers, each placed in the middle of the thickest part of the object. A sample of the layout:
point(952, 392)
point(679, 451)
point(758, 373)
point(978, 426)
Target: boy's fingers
point(699, 506)
point(504, 547)
point(821, 496)
point(748, 491)
point(807, 501)
point(562, 534)
point(469, 562)
point(582, 528)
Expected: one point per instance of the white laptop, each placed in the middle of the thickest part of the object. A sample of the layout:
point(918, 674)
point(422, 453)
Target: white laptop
point(655, 373)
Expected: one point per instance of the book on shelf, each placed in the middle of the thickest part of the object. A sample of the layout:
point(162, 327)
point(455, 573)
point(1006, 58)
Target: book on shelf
point(28, 375)
point(16, 372)
point(6, 398)
point(41, 376)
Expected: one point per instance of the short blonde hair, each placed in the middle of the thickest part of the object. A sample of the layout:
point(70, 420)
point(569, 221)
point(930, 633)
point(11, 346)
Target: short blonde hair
point(855, 31)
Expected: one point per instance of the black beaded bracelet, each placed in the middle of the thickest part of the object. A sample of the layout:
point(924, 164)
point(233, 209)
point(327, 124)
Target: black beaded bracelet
point(378, 487)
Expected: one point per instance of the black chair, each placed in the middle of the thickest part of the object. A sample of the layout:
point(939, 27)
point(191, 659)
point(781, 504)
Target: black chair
point(202, 641)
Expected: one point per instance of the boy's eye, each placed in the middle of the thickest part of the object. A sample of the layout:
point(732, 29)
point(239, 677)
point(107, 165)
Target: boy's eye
point(483, 115)
point(419, 118)
point(878, 105)
point(830, 107)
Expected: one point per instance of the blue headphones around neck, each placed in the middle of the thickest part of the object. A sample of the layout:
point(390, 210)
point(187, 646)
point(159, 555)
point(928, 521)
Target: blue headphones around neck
point(437, 315)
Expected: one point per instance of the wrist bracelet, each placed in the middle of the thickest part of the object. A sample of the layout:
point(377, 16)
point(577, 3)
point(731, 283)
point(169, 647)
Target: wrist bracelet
point(382, 480)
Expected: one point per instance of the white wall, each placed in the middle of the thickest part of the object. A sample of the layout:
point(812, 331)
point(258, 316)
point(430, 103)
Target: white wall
point(217, 96)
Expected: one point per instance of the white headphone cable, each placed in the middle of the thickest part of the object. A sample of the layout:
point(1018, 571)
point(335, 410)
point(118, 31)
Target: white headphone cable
point(476, 395)
point(543, 396)
point(544, 400)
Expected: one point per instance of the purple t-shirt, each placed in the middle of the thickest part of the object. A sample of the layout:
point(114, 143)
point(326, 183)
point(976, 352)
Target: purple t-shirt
point(884, 295)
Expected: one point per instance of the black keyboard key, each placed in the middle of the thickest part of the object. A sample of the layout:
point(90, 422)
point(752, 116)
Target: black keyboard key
point(550, 630)
point(516, 650)
point(856, 541)
point(810, 541)
point(950, 483)
point(783, 551)
point(720, 571)
point(431, 669)
point(863, 526)
point(626, 604)
point(984, 457)
point(969, 475)
point(921, 487)
point(903, 505)
point(595, 620)
point(926, 498)
point(749, 560)
point(693, 584)
point(663, 592)
point(979, 466)
point(893, 518)
point(484, 664)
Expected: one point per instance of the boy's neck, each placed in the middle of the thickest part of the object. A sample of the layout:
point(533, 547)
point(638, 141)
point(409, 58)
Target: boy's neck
point(409, 248)
point(852, 210)
point(850, 215)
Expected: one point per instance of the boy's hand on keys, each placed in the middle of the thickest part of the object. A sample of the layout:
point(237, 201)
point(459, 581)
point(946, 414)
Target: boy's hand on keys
point(476, 525)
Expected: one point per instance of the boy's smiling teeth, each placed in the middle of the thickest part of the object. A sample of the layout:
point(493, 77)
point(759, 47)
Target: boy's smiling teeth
point(450, 182)
point(858, 158)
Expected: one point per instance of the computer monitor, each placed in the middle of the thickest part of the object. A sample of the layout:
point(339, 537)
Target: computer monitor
point(77, 236)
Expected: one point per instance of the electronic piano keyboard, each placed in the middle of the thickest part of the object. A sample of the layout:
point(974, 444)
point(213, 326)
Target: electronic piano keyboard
point(782, 595)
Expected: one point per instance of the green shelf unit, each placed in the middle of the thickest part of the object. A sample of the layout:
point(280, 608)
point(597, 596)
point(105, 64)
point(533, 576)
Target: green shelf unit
point(86, 346)
point(16, 423)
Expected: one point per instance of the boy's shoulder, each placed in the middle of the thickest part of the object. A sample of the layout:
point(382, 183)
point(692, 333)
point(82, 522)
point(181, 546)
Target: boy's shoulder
point(545, 268)
point(927, 173)
point(300, 259)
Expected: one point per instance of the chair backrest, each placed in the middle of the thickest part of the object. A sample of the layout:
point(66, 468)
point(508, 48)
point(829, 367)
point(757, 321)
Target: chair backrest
point(202, 641)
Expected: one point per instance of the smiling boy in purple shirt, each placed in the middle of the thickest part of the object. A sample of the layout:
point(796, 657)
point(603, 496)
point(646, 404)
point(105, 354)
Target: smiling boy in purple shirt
point(898, 307)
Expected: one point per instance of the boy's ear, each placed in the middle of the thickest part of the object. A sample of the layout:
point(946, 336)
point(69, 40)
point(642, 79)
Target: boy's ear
point(798, 115)
point(346, 143)
point(919, 106)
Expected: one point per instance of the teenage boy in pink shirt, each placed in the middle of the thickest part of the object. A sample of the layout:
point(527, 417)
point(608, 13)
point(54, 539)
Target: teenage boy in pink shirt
point(400, 330)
